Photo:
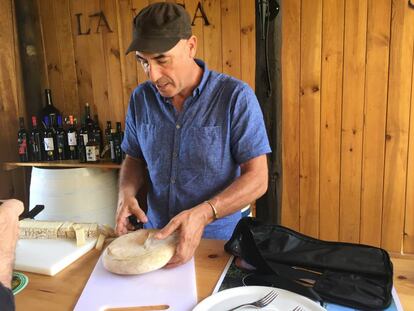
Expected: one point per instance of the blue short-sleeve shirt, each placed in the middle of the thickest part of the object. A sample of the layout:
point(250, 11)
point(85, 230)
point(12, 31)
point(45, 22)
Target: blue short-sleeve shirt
point(194, 154)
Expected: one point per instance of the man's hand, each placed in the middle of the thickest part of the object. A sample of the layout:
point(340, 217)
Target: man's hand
point(190, 225)
point(9, 232)
point(128, 206)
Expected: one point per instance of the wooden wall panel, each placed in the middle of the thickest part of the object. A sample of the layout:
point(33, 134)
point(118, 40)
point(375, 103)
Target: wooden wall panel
point(95, 58)
point(230, 37)
point(247, 41)
point(310, 79)
point(128, 63)
point(212, 34)
point(364, 156)
point(291, 47)
point(399, 100)
point(83, 68)
point(408, 234)
point(352, 119)
point(331, 106)
point(11, 103)
point(376, 92)
point(198, 27)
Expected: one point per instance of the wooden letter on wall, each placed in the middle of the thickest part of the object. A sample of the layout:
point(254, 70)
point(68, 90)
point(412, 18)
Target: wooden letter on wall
point(203, 15)
point(102, 17)
point(102, 22)
point(78, 19)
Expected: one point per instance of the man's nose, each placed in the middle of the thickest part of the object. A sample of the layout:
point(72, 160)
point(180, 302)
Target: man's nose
point(154, 72)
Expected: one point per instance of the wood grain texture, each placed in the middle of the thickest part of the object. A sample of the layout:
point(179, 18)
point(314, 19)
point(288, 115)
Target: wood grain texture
point(212, 35)
point(67, 57)
point(291, 67)
point(198, 25)
point(11, 102)
point(114, 111)
point(230, 37)
point(331, 107)
point(310, 84)
point(137, 6)
point(247, 41)
point(399, 99)
point(125, 14)
point(352, 119)
point(376, 91)
point(81, 52)
point(408, 231)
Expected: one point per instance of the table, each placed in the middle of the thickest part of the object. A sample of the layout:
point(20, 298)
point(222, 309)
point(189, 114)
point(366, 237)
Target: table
point(62, 291)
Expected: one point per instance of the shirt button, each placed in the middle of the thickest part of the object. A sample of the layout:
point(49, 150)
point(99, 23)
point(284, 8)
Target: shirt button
point(174, 154)
point(178, 126)
point(173, 180)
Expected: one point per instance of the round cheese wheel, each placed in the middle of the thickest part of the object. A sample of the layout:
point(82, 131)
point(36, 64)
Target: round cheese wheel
point(137, 252)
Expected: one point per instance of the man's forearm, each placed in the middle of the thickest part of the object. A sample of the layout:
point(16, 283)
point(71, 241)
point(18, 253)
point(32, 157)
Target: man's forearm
point(251, 185)
point(131, 176)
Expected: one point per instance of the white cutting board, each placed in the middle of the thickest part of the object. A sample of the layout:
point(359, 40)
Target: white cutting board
point(175, 287)
point(48, 256)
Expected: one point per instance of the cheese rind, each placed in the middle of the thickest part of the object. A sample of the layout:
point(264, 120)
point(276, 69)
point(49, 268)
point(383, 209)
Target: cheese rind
point(36, 229)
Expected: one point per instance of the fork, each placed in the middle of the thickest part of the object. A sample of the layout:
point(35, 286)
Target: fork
point(261, 303)
point(298, 308)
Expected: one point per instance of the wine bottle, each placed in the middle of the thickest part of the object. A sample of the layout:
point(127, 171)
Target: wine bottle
point(61, 140)
point(107, 140)
point(36, 141)
point(82, 142)
point(22, 141)
point(97, 133)
point(119, 135)
point(72, 140)
point(49, 109)
point(88, 121)
point(49, 140)
point(112, 144)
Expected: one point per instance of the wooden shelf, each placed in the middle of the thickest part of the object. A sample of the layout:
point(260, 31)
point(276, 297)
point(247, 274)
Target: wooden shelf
point(8, 166)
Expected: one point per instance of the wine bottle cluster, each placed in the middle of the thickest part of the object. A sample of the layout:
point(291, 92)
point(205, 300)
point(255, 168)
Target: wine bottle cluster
point(54, 140)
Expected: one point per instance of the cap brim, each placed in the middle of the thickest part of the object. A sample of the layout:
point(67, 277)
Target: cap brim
point(153, 45)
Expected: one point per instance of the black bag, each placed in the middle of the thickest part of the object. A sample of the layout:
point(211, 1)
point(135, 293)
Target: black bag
point(353, 275)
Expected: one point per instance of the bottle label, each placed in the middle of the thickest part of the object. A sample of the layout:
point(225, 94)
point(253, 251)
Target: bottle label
point(112, 150)
point(49, 146)
point(72, 139)
point(22, 146)
point(90, 154)
point(85, 139)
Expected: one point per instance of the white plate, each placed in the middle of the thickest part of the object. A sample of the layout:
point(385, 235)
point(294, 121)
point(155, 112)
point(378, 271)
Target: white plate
point(230, 298)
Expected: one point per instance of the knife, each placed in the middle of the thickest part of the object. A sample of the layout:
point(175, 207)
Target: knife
point(142, 308)
point(32, 213)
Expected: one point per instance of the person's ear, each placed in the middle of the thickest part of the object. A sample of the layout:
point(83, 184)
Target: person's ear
point(192, 45)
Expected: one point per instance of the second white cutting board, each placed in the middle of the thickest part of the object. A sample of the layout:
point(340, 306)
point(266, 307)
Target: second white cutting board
point(174, 287)
point(48, 256)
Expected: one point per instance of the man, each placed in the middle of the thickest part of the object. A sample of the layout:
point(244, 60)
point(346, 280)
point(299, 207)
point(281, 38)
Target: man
point(9, 233)
point(199, 134)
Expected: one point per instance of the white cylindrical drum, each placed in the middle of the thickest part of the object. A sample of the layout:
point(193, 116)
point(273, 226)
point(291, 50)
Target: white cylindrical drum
point(75, 194)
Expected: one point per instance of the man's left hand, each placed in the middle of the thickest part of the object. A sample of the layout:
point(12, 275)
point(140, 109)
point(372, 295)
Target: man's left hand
point(190, 226)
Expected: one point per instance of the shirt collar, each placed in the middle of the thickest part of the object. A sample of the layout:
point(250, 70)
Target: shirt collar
point(204, 78)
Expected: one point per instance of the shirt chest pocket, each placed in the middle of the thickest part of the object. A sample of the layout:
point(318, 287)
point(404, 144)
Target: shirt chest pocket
point(202, 150)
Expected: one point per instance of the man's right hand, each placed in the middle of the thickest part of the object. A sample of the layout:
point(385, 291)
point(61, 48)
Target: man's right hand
point(128, 206)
